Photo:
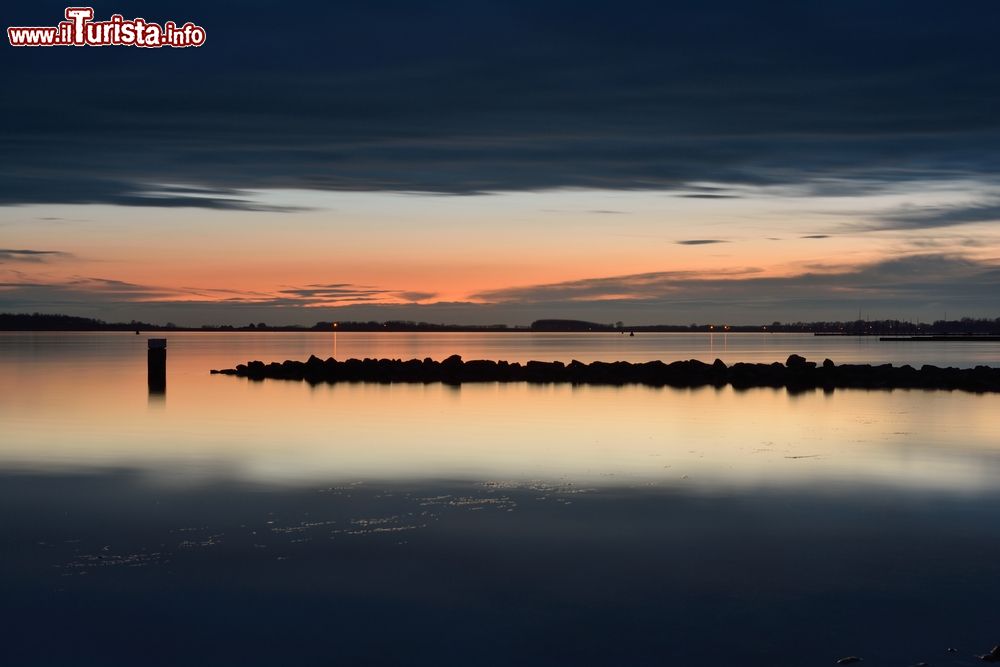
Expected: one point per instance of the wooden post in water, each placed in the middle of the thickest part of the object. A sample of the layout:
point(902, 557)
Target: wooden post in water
point(156, 364)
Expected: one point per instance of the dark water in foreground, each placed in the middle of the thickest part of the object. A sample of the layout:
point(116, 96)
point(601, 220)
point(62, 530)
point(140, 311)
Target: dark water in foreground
point(238, 523)
point(112, 570)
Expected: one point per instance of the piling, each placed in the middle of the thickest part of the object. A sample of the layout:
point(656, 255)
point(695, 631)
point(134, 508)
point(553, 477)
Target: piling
point(156, 364)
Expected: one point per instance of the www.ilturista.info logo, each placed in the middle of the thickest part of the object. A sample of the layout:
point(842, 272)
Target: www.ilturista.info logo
point(79, 29)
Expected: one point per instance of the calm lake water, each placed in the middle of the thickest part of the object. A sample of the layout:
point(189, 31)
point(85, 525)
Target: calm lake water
point(230, 522)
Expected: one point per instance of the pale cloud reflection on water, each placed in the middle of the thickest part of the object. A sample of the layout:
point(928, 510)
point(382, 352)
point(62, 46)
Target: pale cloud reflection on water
point(77, 403)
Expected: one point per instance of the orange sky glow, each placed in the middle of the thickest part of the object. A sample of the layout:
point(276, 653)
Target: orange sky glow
point(407, 249)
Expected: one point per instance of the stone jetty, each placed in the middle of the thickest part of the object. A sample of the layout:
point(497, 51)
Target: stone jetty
point(796, 374)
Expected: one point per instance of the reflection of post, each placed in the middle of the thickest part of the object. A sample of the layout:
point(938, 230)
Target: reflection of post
point(156, 364)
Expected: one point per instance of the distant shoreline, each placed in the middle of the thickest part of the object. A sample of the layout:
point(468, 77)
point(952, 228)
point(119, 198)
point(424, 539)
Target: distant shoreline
point(886, 328)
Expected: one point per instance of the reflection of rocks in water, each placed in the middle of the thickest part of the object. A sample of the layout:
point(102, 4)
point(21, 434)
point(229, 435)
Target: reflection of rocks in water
point(335, 516)
point(434, 500)
point(301, 527)
point(210, 541)
point(343, 490)
point(557, 492)
point(471, 503)
point(377, 527)
point(85, 562)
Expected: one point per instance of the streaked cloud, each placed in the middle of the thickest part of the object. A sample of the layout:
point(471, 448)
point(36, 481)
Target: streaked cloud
point(930, 217)
point(26, 255)
point(23, 292)
point(915, 278)
point(707, 196)
point(407, 97)
point(918, 285)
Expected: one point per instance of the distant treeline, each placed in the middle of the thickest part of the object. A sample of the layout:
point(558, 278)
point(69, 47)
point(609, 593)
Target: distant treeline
point(966, 325)
point(46, 322)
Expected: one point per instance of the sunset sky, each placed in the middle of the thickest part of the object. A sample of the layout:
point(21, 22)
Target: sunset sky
point(497, 162)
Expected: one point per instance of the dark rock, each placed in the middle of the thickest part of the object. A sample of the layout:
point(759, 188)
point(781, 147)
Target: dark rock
point(992, 656)
point(795, 361)
point(796, 374)
point(480, 370)
point(451, 370)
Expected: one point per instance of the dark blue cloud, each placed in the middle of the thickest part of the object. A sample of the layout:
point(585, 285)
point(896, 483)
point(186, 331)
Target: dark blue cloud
point(708, 196)
point(914, 281)
point(476, 95)
point(929, 217)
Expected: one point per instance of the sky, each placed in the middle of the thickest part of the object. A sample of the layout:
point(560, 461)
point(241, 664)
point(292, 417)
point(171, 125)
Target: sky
point(488, 162)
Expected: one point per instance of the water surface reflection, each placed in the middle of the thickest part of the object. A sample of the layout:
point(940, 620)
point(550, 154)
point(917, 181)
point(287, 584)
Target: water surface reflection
point(239, 523)
point(117, 569)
